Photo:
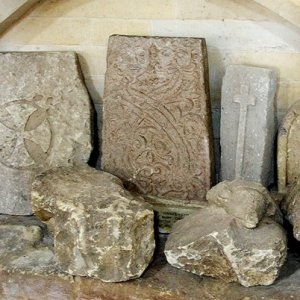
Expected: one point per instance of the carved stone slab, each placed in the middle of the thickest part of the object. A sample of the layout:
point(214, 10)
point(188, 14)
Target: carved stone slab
point(156, 118)
point(288, 151)
point(44, 121)
point(247, 123)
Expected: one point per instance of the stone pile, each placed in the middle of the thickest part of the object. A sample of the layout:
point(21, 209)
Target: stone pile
point(238, 238)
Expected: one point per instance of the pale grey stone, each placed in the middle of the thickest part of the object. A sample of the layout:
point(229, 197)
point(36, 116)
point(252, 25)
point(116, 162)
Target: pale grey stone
point(247, 201)
point(45, 121)
point(25, 246)
point(100, 229)
point(213, 243)
point(247, 124)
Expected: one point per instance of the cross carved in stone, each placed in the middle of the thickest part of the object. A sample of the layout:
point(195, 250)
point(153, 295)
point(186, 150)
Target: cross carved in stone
point(244, 99)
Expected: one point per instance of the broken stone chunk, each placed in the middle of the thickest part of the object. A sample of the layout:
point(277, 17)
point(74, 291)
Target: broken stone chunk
point(291, 207)
point(100, 229)
point(213, 243)
point(45, 121)
point(247, 201)
point(25, 247)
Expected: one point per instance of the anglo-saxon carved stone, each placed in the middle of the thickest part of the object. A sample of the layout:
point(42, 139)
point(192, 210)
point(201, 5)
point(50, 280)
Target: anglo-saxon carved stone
point(288, 152)
point(44, 121)
point(247, 124)
point(156, 116)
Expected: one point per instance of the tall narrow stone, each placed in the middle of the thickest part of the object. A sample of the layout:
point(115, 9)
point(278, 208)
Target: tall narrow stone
point(44, 121)
point(247, 123)
point(288, 151)
point(156, 116)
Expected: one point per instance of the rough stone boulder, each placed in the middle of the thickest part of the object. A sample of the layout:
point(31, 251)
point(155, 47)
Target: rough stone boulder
point(100, 229)
point(247, 201)
point(236, 238)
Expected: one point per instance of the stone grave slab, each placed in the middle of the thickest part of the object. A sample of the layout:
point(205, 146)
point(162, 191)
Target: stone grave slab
point(247, 123)
point(45, 121)
point(157, 118)
point(288, 151)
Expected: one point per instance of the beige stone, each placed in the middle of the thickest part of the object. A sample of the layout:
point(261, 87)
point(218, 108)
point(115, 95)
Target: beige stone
point(213, 243)
point(288, 159)
point(100, 229)
point(291, 207)
point(156, 116)
point(247, 201)
point(45, 121)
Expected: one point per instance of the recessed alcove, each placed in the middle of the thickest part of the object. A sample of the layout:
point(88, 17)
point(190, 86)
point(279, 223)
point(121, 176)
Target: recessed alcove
point(256, 33)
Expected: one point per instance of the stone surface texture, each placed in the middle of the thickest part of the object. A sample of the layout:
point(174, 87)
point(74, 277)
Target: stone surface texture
point(247, 201)
point(100, 229)
point(247, 124)
point(213, 243)
point(160, 282)
point(25, 246)
point(288, 151)
point(291, 207)
point(45, 121)
point(156, 116)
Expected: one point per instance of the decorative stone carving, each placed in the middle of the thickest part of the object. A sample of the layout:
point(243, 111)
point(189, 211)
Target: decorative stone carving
point(288, 153)
point(156, 116)
point(44, 121)
point(100, 229)
point(247, 124)
point(235, 241)
point(247, 201)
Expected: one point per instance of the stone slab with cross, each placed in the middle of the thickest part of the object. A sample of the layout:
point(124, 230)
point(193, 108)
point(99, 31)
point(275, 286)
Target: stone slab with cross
point(45, 121)
point(156, 116)
point(248, 124)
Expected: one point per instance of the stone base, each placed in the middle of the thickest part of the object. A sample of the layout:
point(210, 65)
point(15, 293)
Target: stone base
point(170, 211)
point(160, 282)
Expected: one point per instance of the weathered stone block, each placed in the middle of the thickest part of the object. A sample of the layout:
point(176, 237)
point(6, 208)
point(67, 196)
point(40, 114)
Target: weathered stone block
point(214, 243)
point(291, 207)
point(247, 124)
point(100, 229)
point(156, 116)
point(288, 151)
point(44, 121)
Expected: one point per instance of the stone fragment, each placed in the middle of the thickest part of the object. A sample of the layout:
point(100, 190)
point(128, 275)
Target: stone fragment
point(156, 116)
point(213, 243)
point(291, 207)
point(44, 121)
point(100, 229)
point(288, 151)
point(25, 246)
point(247, 201)
point(247, 124)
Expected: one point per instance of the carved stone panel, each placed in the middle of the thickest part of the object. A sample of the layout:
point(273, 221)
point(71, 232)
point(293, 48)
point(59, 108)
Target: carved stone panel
point(44, 121)
point(156, 116)
point(247, 124)
point(288, 151)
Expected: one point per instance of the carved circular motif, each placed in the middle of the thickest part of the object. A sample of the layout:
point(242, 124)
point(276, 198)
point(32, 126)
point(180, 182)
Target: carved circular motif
point(25, 135)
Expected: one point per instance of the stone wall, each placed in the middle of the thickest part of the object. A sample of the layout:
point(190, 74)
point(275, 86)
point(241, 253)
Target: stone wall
point(236, 31)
